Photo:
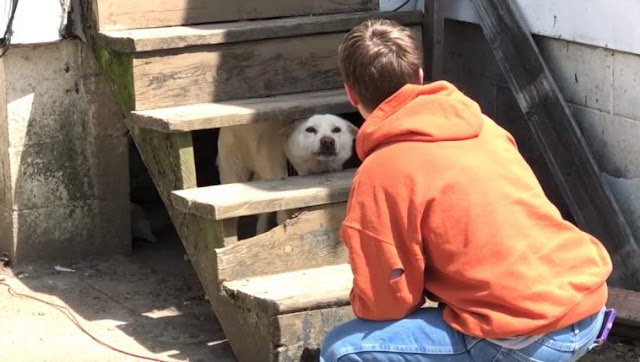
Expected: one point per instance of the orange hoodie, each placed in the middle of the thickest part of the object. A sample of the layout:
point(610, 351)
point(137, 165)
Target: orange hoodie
point(444, 198)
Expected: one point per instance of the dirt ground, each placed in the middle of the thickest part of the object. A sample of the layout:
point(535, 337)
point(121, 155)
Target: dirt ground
point(150, 304)
point(616, 349)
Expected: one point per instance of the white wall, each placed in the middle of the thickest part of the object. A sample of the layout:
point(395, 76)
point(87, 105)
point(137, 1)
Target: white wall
point(611, 24)
point(36, 21)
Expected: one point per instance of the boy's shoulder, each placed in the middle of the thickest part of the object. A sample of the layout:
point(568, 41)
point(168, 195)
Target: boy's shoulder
point(382, 167)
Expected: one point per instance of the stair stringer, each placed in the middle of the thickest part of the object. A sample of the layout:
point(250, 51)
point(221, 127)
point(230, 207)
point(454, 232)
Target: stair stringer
point(169, 158)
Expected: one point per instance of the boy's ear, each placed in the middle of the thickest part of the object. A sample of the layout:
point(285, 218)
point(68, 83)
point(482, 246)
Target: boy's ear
point(353, 99)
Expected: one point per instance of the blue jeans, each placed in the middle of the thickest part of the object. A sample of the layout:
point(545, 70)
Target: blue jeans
point(424, 336)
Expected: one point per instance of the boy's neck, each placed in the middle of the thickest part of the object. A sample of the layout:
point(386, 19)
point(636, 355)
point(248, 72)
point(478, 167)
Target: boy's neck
point(363, 112)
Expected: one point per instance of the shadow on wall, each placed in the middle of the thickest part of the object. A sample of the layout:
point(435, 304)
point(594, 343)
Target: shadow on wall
point(67, 155)
point(70, 190)
point(472, 67)
point(68, 146)
point(585, 75)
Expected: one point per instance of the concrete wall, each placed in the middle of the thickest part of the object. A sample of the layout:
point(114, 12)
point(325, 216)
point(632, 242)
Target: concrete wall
point(63, 152)
point(602, 87)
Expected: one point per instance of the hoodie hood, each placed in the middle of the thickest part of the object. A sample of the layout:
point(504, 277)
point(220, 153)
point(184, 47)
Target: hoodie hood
point(420, 113)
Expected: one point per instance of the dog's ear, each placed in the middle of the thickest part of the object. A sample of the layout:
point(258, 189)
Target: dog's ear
point(352, 129)
point(288, 128)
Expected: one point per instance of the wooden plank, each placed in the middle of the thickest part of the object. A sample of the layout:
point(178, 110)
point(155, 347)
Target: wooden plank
point(231, 113)
point(169, 158)
point(433, 40)
point(251, 198)
point(116, 14)
point(236, 71)
point(627, 304)
point(290, 292)
point(298, 336)
point(170, 161)
point(309, 240)
point(558, 135)
point(142, 40)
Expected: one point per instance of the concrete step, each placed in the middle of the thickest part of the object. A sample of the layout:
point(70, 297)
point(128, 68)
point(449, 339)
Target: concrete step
point(133, 14)
point(231, 113)
point(256, 197)
point(169, 67)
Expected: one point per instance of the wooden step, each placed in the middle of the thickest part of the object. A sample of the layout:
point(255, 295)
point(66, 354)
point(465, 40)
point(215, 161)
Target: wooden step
point(200, 66)
point(144, 40)
point(292, 312)
point(241, 199)
point(309, 240)
point(132, 14)
point(291, 292)
point(215, 115)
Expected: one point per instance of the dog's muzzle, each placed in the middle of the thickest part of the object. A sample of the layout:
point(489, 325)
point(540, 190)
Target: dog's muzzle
point(327, 146)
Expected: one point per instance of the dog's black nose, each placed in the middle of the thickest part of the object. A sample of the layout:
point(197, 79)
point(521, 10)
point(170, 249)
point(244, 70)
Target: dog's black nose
point(327, 143)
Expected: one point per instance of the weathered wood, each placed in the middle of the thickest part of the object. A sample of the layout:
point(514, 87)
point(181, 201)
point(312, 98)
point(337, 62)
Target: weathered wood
point(309, 240)
point(232, 113)
point(558, 135)
point(251, 198)
point(116, 14)
point(316, 288)
point(433, 40)
point(139, 40)
point(298, 336)
point(236, 71)
point(627, 304)
point(248, 332)
point(169, 159)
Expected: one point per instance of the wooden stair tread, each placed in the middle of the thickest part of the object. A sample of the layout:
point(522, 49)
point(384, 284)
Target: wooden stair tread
point(250, 198)
point(291, 292)
point(230, 113)
point(118, 14)
point(150, 39)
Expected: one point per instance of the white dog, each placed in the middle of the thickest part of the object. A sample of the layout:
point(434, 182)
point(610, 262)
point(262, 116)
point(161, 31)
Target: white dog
point(321, 143)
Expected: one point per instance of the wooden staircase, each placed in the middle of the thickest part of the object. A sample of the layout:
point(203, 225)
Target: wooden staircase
point(278, 293)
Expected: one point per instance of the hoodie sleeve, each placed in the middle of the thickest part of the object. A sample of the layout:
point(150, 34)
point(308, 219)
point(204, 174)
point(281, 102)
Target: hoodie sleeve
point(388, 273)
point(382, 285)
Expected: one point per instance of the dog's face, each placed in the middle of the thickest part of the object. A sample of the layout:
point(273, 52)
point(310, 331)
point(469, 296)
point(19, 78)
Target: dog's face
point(326, 138)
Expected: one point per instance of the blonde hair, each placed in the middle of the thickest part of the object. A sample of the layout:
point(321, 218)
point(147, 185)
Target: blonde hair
point(377, 58)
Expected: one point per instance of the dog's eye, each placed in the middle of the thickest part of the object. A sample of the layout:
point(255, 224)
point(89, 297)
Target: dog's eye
point(336, 130)
point(311, 130)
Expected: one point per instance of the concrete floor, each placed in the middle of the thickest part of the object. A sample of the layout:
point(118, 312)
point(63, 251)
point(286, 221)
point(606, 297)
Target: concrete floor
point(150, 304)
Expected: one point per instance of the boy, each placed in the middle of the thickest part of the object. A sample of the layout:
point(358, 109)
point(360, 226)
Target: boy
point(444, 205)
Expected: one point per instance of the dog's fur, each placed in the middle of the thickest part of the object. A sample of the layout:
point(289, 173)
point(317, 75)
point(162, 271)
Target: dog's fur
point(321, 143)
